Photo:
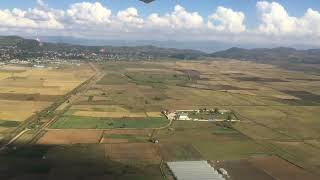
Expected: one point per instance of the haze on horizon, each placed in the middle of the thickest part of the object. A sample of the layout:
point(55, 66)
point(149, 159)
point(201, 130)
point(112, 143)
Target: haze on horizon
point(254, 22)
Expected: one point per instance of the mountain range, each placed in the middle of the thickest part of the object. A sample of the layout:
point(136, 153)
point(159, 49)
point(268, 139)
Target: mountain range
point(263, 55)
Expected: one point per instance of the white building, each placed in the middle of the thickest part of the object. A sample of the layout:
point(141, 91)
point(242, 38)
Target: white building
point(191, 170)
point(183, 116)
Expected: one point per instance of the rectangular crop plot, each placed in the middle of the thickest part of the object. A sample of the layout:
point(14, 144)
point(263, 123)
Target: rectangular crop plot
point(157, 80)
point(173, 152)
point(70, 137)
point(306, 98)
point(125, 136)
point(9, 123)
point(281, 169)
point(113, 78)
point(79, 122)
point(264, 168)
point(132, 151)
point(259, 79)
point(120, 138)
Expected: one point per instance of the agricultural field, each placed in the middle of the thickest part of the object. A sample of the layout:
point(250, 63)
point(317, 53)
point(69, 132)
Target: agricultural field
point(117, 120)
point(26, 90)
point(264, 167)
point(84, 122)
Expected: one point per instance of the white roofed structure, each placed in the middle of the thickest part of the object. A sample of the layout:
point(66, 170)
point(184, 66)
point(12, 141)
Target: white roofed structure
point(194, 170)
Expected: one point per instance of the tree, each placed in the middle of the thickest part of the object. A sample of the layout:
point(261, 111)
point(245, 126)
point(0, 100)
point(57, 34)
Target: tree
point(229, 117)
point(216, 110)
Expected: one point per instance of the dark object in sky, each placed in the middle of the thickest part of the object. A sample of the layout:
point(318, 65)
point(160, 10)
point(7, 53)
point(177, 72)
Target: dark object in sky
point(147, 1)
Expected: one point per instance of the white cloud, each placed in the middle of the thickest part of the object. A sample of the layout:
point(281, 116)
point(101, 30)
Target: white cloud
point(311, 22)
point(155, 20)
point(32, 18)
point(130, 16)
point(89, 13)
point(178, 19)
point(276, 20)
point(224, 24)
point(15, 18)
point(225, 19)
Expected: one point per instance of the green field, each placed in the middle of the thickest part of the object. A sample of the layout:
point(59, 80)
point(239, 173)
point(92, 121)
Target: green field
point(211, 115)
point(9, 123)
point(113, 78)
point(208, 140)
point(79, 122)
point(157, 80)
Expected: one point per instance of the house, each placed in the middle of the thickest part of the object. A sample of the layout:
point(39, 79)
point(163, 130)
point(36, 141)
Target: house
point(183, 116)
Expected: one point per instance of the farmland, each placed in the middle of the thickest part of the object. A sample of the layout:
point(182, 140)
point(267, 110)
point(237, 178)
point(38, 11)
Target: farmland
point(113, 124)
point(27, 90)
point(78, 122)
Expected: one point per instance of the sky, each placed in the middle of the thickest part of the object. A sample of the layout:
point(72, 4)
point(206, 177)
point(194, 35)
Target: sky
point(282, 22)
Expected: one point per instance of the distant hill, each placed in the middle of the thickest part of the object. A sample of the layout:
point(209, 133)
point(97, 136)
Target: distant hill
point(280, 55)
point(10, 40)
point(272, 55)
point(34, 48)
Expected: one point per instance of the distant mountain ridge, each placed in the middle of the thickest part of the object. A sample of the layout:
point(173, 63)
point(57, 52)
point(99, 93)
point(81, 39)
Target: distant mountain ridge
point(263, 55)
point(35, 48)
point(271, 55)
point(208, 46)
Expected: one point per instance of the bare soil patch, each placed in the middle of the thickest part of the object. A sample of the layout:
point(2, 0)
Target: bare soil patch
point(70, 137)
point(259, 79)
point(127, 132)
point(264, 168)
point(303, 79)
point(132, 151)
point(307, 96)
point(113, 140)
point(192, 74)
point(281, 169)
point(242, 170)
point(28, 97)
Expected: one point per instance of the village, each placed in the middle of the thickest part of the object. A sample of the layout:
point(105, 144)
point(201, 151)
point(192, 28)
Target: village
point(202, 114)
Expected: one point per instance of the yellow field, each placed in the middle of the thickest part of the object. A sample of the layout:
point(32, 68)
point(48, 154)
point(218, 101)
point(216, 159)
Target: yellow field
point(4, 75)
point(29, 80)
point(105, 108)
point(20, 110)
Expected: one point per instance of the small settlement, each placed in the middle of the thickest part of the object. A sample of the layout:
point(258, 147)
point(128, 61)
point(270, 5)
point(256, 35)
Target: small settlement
point(215, 115)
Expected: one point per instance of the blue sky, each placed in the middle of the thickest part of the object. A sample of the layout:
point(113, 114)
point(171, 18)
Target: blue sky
point(259, 21)
point(296, 7)
point(204, 7)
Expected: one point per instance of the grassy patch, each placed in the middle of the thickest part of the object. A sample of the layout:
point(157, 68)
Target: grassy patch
point(224, 131)
point(113, 78)
point(4, 123)
point(211, 116)
point(79, 122)
point(179, 152)
point(157, 80)
point(121, 66)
